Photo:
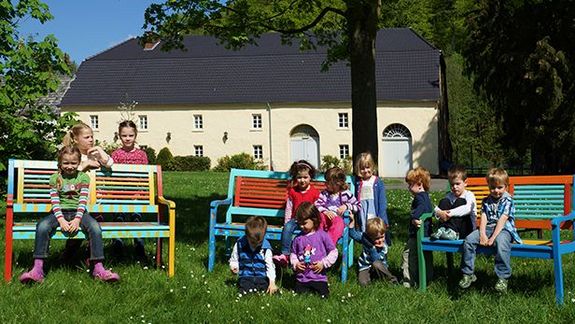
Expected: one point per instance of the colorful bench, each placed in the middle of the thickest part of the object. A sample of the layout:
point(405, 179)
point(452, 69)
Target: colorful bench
point(541, 202)
point(122, 189)
point(261, 193)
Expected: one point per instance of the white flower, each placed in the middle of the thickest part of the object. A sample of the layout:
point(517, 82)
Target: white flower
point(308, 308)
point(63, 291)
point(146, 268)
point(209, 305)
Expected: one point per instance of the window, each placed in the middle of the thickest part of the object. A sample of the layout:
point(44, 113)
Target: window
point(198, 122)
point(94, 123)
point(343, 151)
point(143, 119)
point(257, 121)
point(343, 121)
point(199, 150)
point(258, 152)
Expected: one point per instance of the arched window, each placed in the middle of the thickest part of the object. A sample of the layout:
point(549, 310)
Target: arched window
point(396, 131)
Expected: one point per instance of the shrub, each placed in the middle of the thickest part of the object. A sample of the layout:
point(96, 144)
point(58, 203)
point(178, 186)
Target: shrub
point(189, 163)
point(330, 161)
point(151, 153)
point(239, 161)
point(164, 158)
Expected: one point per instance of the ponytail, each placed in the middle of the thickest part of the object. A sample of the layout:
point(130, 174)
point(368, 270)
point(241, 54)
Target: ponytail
point(70, 137)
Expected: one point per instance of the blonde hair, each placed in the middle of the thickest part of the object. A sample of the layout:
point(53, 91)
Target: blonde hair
point(336, 177)
point(256, 227)
point(72, 150)
point(497, 176)
point(363, 160)
point(375, 227)
point(419, 175)
point(73, 133)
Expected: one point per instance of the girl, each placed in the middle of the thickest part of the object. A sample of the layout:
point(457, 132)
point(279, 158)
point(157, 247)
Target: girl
point(93, 157)
point(370, 192)
point(129, 154)
point(300, 190)
point(68, 195)
point(312, 252)
point(334, 201)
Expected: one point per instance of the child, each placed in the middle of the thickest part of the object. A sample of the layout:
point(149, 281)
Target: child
point(418, 181)
point(93, 157)
point(129, 154)
point(252, 259)
point(497, 228)
point(373, 259)
point(334, 201)
point(312, 252)
point(457, 210)
point(370, 191)
point(301, 189)
point(68, 195)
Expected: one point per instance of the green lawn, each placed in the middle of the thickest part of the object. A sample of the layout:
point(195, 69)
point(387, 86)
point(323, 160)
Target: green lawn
point(146, 295)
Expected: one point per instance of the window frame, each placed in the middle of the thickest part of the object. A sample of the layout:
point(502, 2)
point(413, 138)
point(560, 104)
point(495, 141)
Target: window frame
point(343, 120)
point(258, 149)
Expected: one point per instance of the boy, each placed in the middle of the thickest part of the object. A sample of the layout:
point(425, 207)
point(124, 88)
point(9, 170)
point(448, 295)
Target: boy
point(457, 210)
point(497, 228)
point(252, 259)
point(373, 259)
point(418, 181)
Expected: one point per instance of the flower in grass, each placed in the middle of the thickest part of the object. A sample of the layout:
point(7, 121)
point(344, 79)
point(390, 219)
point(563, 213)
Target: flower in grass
point(209, 305)
point(171, 290)
point(309, 308)
point(145, 267)
point(63, 291)
point(184, 287)
point(328, 320)
point(573, 300)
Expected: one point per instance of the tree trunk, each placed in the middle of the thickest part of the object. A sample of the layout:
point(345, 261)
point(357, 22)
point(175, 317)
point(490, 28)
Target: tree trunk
point(362, 28)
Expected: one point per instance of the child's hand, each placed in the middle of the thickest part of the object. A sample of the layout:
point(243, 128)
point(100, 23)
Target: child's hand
point(330, 214)
point(234, 270)
point(490, 241)
point(300, 266)
point(483, 239)
point(416, 222)
point(317, 267)
point(272, 288)
point(74, 225)
point(443, 215)
point(341, 209)
point(351, 221)
point(89, 165)
point(64, 225)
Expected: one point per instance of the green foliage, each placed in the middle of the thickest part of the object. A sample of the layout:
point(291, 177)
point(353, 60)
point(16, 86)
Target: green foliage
point(151, 154)
point(164, 158)
point(330, 161)
point(238, 161)
point(109, 147)
point(189, 163)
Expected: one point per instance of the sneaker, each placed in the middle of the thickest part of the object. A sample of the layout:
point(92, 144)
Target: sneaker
point(501, 285)
point(449, 234)
point(281, 260)
point(32, 276)
point(406, 284)
point(437, 235)
point(467, 280)
point(106, 276)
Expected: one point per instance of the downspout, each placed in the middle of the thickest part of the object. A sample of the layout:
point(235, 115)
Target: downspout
point(270, 134)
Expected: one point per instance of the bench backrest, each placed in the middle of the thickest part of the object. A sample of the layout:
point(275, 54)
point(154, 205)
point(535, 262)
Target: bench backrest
point(123, 188)
point(263, 193)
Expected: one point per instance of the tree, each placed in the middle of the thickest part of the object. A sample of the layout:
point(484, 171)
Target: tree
point(521, 55)
point(29, 70)
point(313, 22)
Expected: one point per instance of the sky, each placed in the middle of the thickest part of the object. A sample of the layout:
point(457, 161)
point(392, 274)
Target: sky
point(87, 27)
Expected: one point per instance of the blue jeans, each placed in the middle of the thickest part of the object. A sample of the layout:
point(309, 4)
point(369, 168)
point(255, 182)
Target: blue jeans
point(46, 228)
point(287, 234)
point(502, 247)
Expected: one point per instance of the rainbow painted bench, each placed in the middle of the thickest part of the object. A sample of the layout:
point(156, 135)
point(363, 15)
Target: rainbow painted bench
point(124, 188)
point(262, 193)
point(541, 203)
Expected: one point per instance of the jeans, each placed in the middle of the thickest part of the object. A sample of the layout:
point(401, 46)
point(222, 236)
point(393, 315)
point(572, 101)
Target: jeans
point(287, 235)
point(502, 252)
point(378, 270)
point(46, 228)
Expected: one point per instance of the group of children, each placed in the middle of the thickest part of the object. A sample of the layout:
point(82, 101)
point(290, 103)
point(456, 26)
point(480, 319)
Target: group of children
point(69, 195)
point(319, 218)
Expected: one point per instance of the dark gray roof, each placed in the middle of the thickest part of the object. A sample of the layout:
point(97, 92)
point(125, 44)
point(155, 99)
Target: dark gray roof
point(407, 68)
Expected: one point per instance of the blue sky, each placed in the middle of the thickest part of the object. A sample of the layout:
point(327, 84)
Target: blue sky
point(84, 28)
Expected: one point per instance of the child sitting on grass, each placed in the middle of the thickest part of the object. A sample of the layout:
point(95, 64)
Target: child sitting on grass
point(497, 228)
point(457, 210)
point(252, 259)
point(372, 262)
point(312, 252)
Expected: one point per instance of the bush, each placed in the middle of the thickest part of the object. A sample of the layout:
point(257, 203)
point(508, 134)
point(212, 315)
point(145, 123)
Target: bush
point(239, 161)
point(189, 163)
point(330, 161)
point(164, 158)
point(151, 153)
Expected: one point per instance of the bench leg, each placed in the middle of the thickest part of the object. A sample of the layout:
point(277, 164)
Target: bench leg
point(558, 272)
point(159, 242)
point(212, 241)
point(172, 244)
point(449, 257)
point(421, 266)
point(9, 249)
point(344, 255)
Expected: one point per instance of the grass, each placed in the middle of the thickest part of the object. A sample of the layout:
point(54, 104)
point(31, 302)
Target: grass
point(146, 295)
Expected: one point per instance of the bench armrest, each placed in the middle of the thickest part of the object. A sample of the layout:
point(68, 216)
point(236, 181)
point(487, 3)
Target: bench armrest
point(171, 204)
point(216, 203)
point(556, 221)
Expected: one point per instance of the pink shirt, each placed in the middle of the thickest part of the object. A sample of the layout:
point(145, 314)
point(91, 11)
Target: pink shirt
point(136, 156)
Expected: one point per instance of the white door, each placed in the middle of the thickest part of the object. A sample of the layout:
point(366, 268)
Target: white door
point(395, 154)
point(305, 148)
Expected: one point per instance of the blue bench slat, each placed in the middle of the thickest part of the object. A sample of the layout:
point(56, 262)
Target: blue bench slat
point(36, 195)
point(37, 176)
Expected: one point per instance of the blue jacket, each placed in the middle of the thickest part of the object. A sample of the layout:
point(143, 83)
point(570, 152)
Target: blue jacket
point(370, 253)
point(380, 200)
point(252, 263)
point(420, 205)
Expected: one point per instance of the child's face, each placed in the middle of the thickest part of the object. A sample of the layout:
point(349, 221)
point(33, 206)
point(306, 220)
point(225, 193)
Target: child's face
point(458, 186)
point(85, 140)
point(415, 187)
point(365, 172)
point(496, 190)
point(69, 164)
point(254, 244)
point(303, 179)
point(379, 241)
point(128, 137)
point(306, 226)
